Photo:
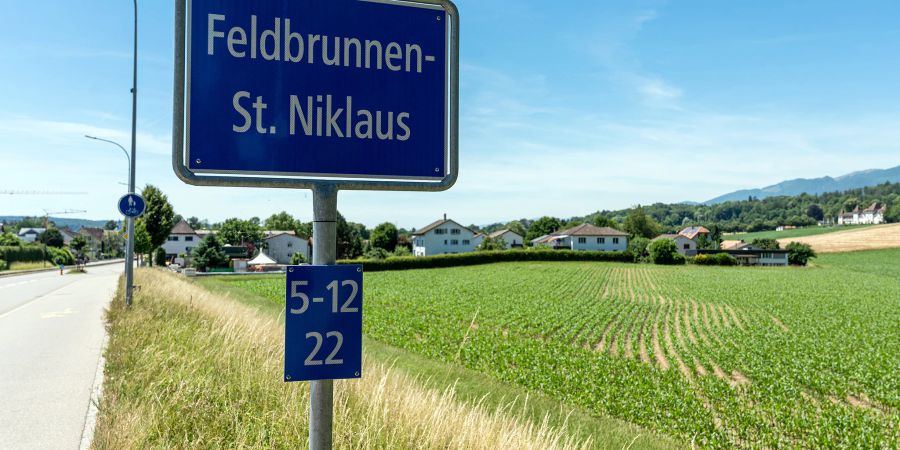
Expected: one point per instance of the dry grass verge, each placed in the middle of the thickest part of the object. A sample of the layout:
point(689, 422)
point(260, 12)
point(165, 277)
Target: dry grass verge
point(189, 369)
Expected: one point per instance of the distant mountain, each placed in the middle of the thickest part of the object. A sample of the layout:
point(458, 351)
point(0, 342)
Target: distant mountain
point(74, 224)
point(814, 186)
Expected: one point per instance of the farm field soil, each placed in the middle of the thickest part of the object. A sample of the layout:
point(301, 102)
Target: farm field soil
point(855, 239)
point(722, 357)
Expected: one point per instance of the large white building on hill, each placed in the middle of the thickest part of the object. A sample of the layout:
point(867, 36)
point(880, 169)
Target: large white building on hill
point(872, 215)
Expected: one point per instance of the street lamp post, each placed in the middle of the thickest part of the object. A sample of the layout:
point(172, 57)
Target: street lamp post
point(129, 243)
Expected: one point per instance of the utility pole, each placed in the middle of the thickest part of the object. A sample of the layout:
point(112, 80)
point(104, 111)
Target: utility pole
point(129, 248)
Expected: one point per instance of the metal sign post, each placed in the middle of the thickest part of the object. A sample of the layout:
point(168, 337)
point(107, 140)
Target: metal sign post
point(323, 95)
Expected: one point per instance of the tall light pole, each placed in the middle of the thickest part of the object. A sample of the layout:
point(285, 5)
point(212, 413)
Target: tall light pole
point(129, 243)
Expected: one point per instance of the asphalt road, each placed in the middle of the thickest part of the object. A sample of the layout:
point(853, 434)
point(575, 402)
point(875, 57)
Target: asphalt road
point(51, 335)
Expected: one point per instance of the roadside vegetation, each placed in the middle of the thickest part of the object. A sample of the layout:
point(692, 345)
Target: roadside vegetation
point(190, 368)
point(718, 356)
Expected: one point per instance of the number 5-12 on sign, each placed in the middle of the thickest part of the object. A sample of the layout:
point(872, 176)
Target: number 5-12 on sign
point(323, 322)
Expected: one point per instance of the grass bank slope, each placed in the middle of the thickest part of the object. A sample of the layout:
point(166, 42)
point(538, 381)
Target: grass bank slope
point(187, 368)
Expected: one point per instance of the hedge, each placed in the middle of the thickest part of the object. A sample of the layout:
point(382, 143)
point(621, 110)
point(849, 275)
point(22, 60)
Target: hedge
point(60, 256)
point(25, 253)
point(486, 257)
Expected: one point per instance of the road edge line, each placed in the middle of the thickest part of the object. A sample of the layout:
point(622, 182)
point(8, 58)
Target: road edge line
point(90, 417)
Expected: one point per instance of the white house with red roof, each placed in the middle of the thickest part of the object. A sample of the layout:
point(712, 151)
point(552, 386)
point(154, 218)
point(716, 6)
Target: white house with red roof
point(441, 237)
point(586, 237)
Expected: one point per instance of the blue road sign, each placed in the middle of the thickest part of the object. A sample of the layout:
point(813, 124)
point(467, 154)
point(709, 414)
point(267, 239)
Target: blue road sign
point(338, 89)
point(131, 205)
point(323, 323)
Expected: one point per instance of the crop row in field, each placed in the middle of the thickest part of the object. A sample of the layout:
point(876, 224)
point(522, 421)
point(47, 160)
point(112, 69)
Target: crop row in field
point(725, 357)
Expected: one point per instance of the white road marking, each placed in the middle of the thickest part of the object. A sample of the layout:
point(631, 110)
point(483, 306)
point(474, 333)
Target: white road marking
point(55, 314)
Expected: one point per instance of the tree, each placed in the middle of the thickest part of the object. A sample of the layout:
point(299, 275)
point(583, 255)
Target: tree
point(638, 248)
point(160, 258)
point(297, 258)
point(766, 244)
point(78, 244)
point(402, 250)
point(9, 239)
point(665, 251)
point(543, 226)
point(602, 221)
point(142, 244)
point(195, 223)
point(281, 221)
point(815, 212)
point(240, 232)
point(110, 225)
point(489, 243)
point(304, 229)
point(349, 242)
point(208, 254)
point(799, 253)
point(516, 227)
point(51, 237)
point(384, 236)
point(639, 224)
point(158, 217)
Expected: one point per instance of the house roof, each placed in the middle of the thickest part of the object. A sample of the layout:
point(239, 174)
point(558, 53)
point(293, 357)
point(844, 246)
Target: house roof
point(692, 232)
point(436, 224)
point(68, 232)
point(25, 231)
point(273, 234)
point(667, 236)
point(96, 233)
point(499, 233)
point(182, 227)
point(733, 245)
point(874, 208)
point(587, 229)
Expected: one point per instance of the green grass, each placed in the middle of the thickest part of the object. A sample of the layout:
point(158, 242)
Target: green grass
point(263, 293)
point(29, 265)
point(724, 357)
point(786, 234)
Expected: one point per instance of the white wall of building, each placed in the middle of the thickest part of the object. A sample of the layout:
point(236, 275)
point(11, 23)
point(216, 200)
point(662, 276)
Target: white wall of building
point(512, 239)
point(282, 246)
point(176, 244)
point(450, 237)
point(595, 243)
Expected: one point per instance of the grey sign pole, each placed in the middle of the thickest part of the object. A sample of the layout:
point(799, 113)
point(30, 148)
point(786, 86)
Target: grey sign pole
point(321, 392)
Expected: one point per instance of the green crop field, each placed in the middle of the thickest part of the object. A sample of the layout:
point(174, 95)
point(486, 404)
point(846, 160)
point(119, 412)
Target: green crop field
point(718, 356)
point(786, 234)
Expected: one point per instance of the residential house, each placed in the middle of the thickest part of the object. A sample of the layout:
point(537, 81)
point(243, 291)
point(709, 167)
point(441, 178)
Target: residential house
point(68, 235)
point(693, 233)
point(751, 256)
point(872, 215)
point(30, 234)
point(585, 237)
point(478, 239)
point(511, 238)
point(734, 245)
point(281, 246)
point(182, 239)
point(94, 237)
point(685, 245)
point(443, 236)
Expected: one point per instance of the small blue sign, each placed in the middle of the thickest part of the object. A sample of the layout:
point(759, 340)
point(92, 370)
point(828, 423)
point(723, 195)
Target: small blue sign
point(131, 205)
point(311, 88)
point(323, 322)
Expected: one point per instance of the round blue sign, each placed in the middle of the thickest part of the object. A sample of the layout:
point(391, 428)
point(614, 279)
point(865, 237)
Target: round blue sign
point(131, 205)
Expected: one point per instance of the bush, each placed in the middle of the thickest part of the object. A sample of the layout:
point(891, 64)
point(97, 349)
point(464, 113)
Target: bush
point(724, 259)
point(487, 257)
point(638, 248)
point(160, 258)
point(60, 256)
point(402, 250)
point(297, 258)
point(799, 254)
point(665, 251)
point(209, 254)
point(24, 253)
point(376, 253)
point(705, 260)
point(3, 265)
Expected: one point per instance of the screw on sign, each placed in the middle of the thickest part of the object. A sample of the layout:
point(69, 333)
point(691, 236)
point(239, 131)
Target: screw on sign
point(323, 322)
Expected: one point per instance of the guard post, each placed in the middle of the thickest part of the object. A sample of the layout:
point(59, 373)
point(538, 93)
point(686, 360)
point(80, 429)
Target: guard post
point(273, 106)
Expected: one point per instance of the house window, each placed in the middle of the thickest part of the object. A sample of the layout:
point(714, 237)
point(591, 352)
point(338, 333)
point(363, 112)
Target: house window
point(455, 231)
point(440, 231)
point(582, 240)
point(687, 246)
point(290, 244)
point(601, 240)
point(188, 238)
point(188, 249)
point(466, 242)
point(615, 240)
point(454, 242)
point(173, 238)
point(445, 242)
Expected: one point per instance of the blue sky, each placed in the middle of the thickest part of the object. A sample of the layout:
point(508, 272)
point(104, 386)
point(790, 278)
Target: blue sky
point(566, 107)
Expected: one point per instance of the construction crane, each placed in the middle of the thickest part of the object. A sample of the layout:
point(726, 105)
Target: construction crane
point(26, 192)
point(68, 211)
